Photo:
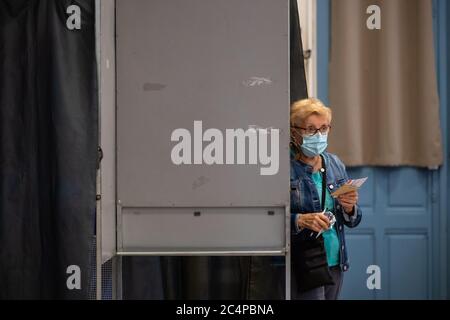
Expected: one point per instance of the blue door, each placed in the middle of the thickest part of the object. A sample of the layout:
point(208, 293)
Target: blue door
point(404, 209)
point(395, 234)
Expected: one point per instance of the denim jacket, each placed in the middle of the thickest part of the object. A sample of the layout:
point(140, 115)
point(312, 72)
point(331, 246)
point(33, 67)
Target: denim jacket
point(305, 199)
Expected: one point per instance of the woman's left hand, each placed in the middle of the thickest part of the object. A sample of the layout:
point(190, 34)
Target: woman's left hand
point(348, 201)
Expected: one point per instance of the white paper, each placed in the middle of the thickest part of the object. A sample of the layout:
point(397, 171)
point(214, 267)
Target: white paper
point(351, 186)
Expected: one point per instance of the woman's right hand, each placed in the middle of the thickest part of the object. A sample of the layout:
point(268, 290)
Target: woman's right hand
point(313, 221)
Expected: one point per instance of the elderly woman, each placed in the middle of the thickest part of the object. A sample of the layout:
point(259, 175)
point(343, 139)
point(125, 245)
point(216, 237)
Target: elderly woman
point(319, 253)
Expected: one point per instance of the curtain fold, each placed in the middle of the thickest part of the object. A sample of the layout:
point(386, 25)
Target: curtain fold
point(48, 149)
point(383, 85)
point(299, 88)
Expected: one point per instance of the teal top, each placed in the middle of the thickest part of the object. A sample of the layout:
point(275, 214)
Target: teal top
point(330, 237)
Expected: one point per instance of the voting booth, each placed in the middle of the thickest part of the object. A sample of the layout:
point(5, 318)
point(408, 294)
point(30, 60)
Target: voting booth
point(194, 117)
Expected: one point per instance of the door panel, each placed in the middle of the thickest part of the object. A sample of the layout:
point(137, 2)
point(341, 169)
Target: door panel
point(362, 253)
point(407, 266)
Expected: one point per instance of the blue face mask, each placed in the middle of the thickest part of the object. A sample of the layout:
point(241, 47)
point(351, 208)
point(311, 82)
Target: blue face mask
point(314, 145)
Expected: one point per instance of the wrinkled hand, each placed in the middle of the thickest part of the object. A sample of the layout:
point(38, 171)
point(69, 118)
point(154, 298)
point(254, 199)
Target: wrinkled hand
point(348, 201)
point(314, 221)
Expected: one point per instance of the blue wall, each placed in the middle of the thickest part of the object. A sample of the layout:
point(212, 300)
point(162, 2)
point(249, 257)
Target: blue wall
point(381, 239)
point(442, 39)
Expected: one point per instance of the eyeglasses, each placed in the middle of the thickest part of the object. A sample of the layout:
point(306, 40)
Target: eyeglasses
point(310, 131)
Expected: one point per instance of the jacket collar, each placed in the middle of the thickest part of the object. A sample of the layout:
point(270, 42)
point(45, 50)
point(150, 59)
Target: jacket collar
point(305, 166)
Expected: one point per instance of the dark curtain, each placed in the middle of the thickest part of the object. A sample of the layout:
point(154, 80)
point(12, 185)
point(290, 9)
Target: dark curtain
point(220, 278)
point(174, 278)
point(299, 88)
point(48, 148)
